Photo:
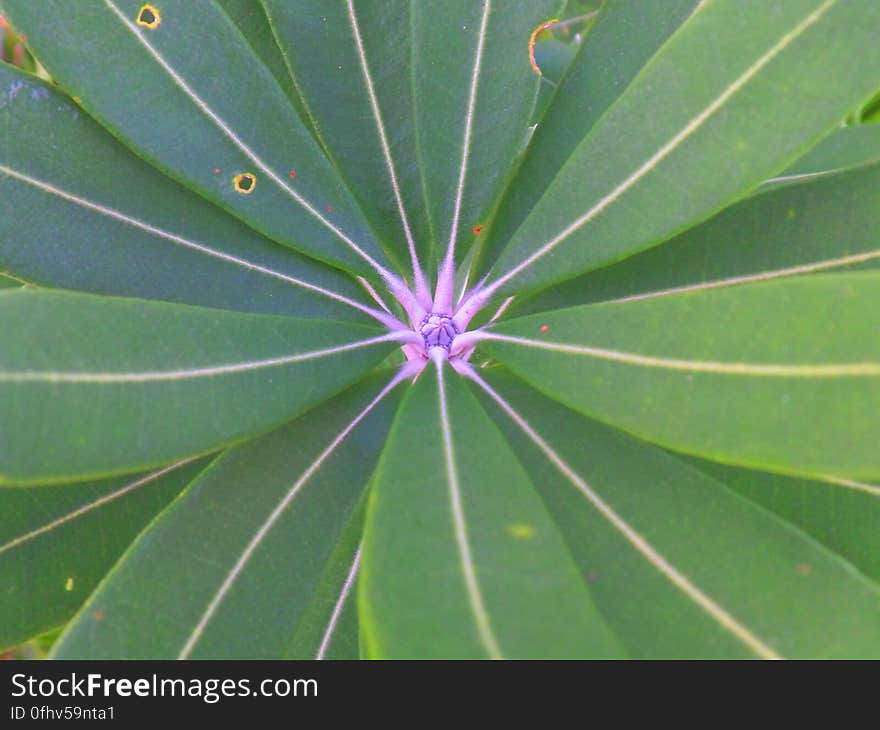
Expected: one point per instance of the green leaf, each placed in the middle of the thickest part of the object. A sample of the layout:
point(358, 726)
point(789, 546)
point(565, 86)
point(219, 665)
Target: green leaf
point(847, 149)
point(842, 514)
point(56, 543)
point(168, 99)
point(67, 222)
point(628, 31)
point(460, 558)
point(679, 565)
point(475, 90)
point(251, 19)
point(345, 58)
point(798, 229)
point(708, 372)
point(232, 568)
point(97, 386)
point(735, 97)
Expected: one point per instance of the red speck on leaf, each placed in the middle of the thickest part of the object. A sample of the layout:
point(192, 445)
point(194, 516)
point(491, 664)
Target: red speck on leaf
point(544, 328)
point(216, 170)
point(478, 230)
point(329, 209)
point(98, 615)
point(293, 174)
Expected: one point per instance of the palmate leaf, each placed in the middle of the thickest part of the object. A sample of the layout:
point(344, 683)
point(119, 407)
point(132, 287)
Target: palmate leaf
point(482, 554)
point(630, 32)
point(705, 145)
point(795, 230)
point(66, 222)
point(679, 565)
point(89, 376)
point(235, 567)
point(56, 543)
point(455, 511)
point(178, 114)
point(727, 386)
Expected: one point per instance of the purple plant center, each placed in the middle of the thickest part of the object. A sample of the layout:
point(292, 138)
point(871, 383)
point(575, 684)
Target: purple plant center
point(438, 330)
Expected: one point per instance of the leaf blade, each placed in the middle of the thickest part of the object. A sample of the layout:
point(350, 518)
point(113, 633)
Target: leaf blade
point(725, 385)
point(480, 559)
point(735, 582)
point(96, 386)
point(705, 124)
point(250, 559)
point(74, 533)
point(210, 127)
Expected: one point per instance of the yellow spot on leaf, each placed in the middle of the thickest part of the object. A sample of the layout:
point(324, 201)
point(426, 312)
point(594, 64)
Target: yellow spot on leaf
point(792, 213)
point(68, 585)
point(521, 532)
point(149, 17)
point(244, 183)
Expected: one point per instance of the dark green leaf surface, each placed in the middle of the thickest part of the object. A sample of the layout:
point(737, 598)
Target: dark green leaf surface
point(708, 372)
point(344, 56)
point(627, 31)
point(846, 149)
point(472, 118)
point(464, 562)
point(784, 232)
point(56, 543)
point(726, 95)
point(231, 568)
point(167, 98)
point(67, 222)
point(99, 386)
point(251, 19)
point(842, 514)
point(679, 565)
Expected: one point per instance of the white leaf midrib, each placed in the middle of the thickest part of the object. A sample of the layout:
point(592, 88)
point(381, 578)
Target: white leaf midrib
point(681, 582)
point(80, 377)
point(230, 134)
point(686, 132)
point(770, 370)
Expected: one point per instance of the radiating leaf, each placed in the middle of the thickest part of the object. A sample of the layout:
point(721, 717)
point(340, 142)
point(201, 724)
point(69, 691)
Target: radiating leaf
point(345, 56)
point(56, 543)
point(784, 232)
point(475, 89)
point(711, 374)
point(460, 558)
point(231, 568)
point(97, 386)
point(251, 19)
point(735, 96)
point(846, 149)
point(191, 108)
point(679, 565)
point(624, 37)
point(67, 222)
point(842, 514)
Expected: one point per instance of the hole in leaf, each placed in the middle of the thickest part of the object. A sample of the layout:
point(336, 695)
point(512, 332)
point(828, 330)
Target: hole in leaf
point(534, 37)
point(244, 183)
point(149, 17)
